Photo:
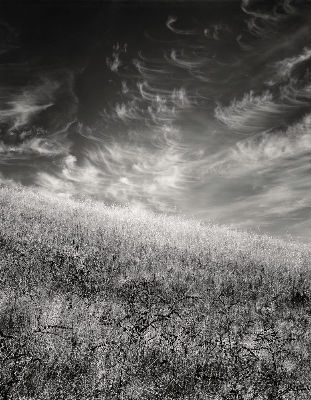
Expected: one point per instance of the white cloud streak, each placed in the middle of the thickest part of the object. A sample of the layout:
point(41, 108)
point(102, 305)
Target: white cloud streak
point(21, 112)
point(249, 113)
point(34, 147)
point(123, 173)
point(114, 62)
point(31, 101)
point(170, 25)
point(286, 67)
point(262, 23)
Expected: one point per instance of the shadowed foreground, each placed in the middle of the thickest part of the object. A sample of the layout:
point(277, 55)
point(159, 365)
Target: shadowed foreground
point(109, 303)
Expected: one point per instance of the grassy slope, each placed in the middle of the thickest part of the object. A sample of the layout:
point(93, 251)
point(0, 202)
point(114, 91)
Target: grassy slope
point(105, 303)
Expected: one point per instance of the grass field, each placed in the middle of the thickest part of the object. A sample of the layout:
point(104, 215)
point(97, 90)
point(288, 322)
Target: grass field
point(111, 303)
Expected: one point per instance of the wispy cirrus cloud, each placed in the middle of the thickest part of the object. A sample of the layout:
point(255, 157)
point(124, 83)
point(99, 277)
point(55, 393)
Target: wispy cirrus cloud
point(170, 23)
point(114, 62)
point(31, 148)
point(262, 150)
point(35, 121)
point(216, 31)
point(187, 62)
point(122, 173)
point(25, 106)
point(287, 67)
point(19, 110)
point(286, 98)
point(265, 17)
point(249, 113)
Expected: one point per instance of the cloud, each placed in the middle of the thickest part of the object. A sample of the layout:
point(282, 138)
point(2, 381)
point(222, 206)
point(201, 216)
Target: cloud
point(32, 100)
point(242, 183)
point(292, 79)
point(263, 150)
point(251, 113)
point(41, 146)
point(149, 70)
point(49, 102)
point(190, 63)
point(35, 122)
point(286, 67)
point(216, 31)
point(277, 204)
point(114, 62)
point(280, 207)
point(127, 112)
point(261, 181)
point(274, 12)
point(163, 104)
point(170, 25)
point(264, 18)
point(20, 112)
point(149, 106)
point(285, 98)
point(122, 173)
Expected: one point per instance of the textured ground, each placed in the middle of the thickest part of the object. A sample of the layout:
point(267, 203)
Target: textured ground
point(109, 303)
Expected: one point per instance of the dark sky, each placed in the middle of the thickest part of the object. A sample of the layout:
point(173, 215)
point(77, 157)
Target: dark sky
point(199, 108)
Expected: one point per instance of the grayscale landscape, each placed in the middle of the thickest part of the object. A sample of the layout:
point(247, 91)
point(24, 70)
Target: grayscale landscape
point(155, 200)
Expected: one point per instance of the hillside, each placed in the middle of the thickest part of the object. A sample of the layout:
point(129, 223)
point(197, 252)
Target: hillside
point(104, 302)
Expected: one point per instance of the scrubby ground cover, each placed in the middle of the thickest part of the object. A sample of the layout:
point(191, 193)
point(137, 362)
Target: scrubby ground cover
point(109, 303)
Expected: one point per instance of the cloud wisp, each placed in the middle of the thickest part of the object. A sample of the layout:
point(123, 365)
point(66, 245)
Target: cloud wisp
point(171, 22)
point(122, 173)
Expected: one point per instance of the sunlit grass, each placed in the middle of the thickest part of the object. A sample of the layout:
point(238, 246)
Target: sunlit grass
point(111, 303)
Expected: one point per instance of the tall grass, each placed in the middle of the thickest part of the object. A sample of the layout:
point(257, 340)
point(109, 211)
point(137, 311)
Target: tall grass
point(104, 302)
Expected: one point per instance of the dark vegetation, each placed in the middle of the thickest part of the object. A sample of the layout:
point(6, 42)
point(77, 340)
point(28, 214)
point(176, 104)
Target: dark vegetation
point(108, 303)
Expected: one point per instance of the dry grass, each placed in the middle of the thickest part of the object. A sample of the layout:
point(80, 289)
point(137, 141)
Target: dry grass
point(109, 303)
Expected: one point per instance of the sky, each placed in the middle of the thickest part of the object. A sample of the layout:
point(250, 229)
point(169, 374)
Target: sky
point(196, 108)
